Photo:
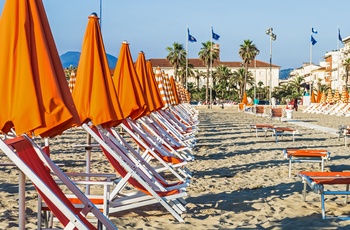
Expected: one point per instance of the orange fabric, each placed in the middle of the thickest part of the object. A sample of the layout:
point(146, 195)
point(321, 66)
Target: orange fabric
point(284, 129)
point(141, 71)
point(154, 86)
point(312, 100)
point(162, 87)
point(94, 94)
point(307, 152)
point(173, 88)
point(122, 172)
point(33, 89)
point(244, 99)
point(264, 126)
point(328, 177)
point(28, 154)
point(128, 86)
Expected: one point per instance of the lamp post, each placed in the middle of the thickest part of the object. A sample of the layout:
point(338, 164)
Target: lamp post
point(272, 38)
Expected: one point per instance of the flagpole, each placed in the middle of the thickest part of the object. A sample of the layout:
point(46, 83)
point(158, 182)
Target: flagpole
point(338, 50)
point(311, 58)
point(186, 58)
point(211, 62)
point(101, 14)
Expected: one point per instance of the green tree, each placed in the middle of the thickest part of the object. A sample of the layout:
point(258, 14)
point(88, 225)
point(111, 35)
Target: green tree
point(247, 51)
point(182, 73)
point(222, 75)
point(241, 79)
point(295, 84)
point(198, 75)
point(208, 54)
point(177, 58)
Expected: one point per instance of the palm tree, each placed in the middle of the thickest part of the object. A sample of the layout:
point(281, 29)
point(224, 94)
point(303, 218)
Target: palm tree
point(346, 64)
point(296, 85)
point(198, 75)
point(176, 57)
point(222, 75)
point(182, 73)
point(247, 52)
point(241, 79)
point(208, 54)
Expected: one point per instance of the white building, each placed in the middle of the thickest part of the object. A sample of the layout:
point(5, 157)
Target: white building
point(260, 70)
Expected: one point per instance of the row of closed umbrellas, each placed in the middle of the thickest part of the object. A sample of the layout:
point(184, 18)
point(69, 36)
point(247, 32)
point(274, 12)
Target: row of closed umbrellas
point(35, 95)
point(38, 99)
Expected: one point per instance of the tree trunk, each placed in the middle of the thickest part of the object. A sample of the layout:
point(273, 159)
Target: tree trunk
point(207, 89)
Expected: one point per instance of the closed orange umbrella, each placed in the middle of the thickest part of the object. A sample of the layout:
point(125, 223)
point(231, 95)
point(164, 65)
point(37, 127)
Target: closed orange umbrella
point(329, 98)
point(72, 80)
point(312, 99)
point(344, 95)
point(244, 99)
point(128, 86)
point(154, 86)
point(319, 96)
point(141, 71)
point(336, 97)
point(94, 94)
point(173, 88)
point(162, 87)
point(167, 85)
point(34, 93)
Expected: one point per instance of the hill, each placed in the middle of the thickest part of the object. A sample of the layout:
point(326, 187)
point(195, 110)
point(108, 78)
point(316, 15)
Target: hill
point(72, 58)
point(284, 73)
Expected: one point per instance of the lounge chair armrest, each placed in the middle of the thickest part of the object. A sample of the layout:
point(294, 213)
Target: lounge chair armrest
point(107, 175)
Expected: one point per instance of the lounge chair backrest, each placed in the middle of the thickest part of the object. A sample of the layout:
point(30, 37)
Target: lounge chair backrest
point(29, 156)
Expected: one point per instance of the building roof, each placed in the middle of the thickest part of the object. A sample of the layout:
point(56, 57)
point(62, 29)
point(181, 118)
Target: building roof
point(196, 62)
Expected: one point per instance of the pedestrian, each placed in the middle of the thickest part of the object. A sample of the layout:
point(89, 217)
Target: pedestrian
point(296, 104)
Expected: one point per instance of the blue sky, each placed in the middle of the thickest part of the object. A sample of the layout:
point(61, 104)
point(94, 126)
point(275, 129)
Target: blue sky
point(153, 25)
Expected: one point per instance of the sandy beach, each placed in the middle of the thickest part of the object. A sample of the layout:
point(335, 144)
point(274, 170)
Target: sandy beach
point(240, 181)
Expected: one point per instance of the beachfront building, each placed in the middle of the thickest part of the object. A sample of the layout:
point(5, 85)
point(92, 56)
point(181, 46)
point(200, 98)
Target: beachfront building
point(260, 70)
point(330, 71)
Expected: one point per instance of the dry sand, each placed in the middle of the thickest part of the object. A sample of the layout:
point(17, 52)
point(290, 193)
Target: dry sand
point(240, 181)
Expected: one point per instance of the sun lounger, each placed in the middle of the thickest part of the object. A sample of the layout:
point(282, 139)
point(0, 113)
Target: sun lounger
point(259, 110)
point(263, 127)
point(149, 189)
point(318, 180)
point(281, 131)
point(37, 166)
point(276, 113)
point(306, 155)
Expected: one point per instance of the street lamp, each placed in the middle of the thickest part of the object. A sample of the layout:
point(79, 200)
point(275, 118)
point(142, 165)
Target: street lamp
point(272, 38)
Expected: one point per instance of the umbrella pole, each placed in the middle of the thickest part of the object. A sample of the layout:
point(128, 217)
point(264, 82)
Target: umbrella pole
point(88, 161)
point(21, 201)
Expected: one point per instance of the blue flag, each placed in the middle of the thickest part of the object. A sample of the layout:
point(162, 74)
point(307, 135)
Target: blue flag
point(313, 40)
point(339, 36)
point(214, 35)
point(313, 30)
point(190, 37)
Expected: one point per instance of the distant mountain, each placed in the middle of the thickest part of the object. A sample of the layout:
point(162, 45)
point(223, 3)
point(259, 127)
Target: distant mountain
point(72, 58)
point(284, 73)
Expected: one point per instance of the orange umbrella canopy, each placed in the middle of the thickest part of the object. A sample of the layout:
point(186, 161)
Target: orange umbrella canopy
point(336, 97)
point(175, 92)
point(72, 80)
point(244, 99)
point(141, 71)
point(161, 87)
point(94, 94)
point(319, 96)
point(329, 98)
point(312, 99)
point(128, 86)
point(344, 95)
point(33, 88)
point(154, 86)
